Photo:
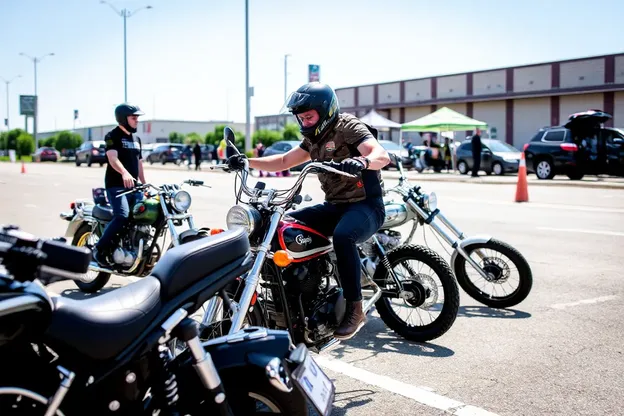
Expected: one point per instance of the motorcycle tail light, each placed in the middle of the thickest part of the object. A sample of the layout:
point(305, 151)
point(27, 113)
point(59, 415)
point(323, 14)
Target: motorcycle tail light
point(72, 205)
point(216, 231)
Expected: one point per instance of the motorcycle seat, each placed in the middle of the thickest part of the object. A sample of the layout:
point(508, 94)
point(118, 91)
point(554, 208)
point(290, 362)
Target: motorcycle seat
point(102, 213)
point(189, 263)
point(101, 327)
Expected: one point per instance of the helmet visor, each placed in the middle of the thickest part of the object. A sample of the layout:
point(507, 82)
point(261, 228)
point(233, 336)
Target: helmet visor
point(296, 102)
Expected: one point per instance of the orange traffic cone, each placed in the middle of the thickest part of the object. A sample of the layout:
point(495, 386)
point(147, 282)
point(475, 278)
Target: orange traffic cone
point(522, 188)
point(23, 167)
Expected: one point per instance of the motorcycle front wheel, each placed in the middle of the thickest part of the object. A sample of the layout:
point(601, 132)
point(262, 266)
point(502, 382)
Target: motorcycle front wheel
point(506, 268)
point(421, 293)
point(92, 280)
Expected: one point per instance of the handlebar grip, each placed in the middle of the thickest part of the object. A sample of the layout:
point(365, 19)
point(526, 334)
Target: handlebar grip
point(65, 257)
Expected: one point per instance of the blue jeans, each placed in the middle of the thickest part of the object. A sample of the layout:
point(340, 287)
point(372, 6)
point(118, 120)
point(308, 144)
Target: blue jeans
point(350, 224)
point(121, 212)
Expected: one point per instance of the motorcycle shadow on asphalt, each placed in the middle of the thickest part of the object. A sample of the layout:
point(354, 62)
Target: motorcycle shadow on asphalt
point(377, 338)
point(487, 312)
point(346, 400)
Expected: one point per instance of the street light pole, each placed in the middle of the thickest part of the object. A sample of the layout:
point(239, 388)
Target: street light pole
point(286, 76)
point(248, 92)
point(36, 112)
point(7, 97)
point(125, 13)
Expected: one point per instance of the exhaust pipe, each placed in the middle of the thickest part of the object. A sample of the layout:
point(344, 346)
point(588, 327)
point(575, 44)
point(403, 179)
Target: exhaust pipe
point(97, 268)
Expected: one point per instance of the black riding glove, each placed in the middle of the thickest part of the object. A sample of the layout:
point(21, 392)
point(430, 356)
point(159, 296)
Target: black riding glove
point(352, 166)
point(236, 162)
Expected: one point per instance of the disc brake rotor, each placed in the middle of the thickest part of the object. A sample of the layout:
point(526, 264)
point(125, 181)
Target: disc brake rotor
point(497, 270)
point(431, 289)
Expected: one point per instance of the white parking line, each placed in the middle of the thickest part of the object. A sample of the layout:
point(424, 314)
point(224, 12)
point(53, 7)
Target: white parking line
point(534, 205)
point(422, 395)
point(578, 230)
point(584, 302)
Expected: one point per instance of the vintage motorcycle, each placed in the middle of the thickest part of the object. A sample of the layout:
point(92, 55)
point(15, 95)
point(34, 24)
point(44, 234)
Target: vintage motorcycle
point(294, 283)
point(492, 259)
point(112, 354)
point(162, 208)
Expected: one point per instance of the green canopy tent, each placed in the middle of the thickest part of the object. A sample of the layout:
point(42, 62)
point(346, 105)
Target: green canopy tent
point(443, 120)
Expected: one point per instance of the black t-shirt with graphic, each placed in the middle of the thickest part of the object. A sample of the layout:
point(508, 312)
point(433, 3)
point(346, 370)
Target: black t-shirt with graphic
point(128, 149)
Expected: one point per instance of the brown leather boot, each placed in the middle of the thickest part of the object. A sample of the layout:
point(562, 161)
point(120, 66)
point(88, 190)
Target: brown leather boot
point(354, 319)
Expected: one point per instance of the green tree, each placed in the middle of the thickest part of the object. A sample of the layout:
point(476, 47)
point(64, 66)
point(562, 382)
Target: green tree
point(10, 138)
point(291, 132)
point(175, 137)
point(191, 138)
point(266, 137)
point(211, 138)
point(67, 140)
point(25, 144)
point(49, 142)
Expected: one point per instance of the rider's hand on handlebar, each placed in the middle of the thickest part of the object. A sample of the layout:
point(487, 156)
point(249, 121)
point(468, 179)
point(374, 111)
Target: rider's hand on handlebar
point(352, 166)
point(236, 162)
point(128, 180)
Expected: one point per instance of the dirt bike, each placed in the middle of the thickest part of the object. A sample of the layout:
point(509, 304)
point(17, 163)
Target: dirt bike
point(294, 283)
point(162, 208)
point(492, 259)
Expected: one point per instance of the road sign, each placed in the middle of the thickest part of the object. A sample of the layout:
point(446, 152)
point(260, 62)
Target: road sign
point(28, 103)
point(314, 73)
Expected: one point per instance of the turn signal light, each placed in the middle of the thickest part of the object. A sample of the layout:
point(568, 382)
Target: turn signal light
point(214, 231)
point(282, 259)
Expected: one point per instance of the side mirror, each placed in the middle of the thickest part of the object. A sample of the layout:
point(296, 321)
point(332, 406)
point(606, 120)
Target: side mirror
point(307, 198)
point(229, 136)
point(618, 140)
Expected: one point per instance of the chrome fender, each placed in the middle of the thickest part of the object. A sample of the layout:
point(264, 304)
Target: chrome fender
point(459, 250)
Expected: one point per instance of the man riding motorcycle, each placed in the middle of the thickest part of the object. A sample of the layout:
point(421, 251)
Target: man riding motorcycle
point(353, 209)
point(125, 166)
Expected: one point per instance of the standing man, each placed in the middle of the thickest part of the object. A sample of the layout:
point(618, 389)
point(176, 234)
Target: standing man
point(476, 153)
point(125, 167)
point(197, 153)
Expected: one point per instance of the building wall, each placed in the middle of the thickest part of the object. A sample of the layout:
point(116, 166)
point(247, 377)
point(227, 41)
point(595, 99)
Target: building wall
point(389, 93)
point(453, 86)
point(366, 95)
point(491, 82)
point(493, 113)
point(346, 97)
point(582, 73)
point(619, 69)
point(529, 115)
point(618, 114)
point(533, 78)
point(570, 104)
point(418, 90)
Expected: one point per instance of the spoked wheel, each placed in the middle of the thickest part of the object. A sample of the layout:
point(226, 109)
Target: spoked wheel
point(429, 302)
point(19, 401)
point(509, 278)
point(91, 281)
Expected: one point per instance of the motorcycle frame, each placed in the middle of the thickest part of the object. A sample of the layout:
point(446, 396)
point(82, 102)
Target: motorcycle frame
point(457, 240)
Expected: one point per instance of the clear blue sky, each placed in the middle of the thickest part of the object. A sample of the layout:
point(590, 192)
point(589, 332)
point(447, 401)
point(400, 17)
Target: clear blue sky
point(186, 57)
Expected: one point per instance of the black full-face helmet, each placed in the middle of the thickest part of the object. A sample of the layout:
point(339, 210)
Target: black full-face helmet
point(319, 97)
point(123, 111)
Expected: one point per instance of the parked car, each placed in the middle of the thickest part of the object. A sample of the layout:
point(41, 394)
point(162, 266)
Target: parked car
point(91, 152)
point(497, 157)
point(166, 153)
point(397, 150)
point(583, 146)
point(46, 154)
point(283, 146)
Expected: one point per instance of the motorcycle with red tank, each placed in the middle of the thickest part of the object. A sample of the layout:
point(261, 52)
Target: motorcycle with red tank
point(294, 283)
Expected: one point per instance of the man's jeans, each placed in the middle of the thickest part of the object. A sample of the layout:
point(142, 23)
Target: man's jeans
point(121, 212)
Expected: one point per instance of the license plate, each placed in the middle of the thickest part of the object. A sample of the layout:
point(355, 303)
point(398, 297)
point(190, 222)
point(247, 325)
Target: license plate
point(316, 385)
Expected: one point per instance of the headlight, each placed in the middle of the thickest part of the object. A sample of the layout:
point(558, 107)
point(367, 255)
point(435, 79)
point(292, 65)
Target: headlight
point(242, 216)
point(430, 201)
point(181, 201)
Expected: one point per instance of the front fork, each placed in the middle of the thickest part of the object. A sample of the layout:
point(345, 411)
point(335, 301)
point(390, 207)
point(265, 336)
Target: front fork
point(430, 218)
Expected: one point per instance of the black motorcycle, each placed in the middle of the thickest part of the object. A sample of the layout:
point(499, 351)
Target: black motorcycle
point(112, 354)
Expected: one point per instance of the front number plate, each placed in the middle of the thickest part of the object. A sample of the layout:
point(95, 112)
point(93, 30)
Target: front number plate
point(316, 385)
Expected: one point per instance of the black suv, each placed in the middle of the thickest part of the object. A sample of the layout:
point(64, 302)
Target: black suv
point(91, 152)
point(580, 147)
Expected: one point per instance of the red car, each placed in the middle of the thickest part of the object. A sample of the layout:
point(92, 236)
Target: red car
point(46, 154)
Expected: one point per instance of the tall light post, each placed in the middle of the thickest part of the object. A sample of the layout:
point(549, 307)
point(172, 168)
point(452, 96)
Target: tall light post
point(125, 13)
point(7, 82)
point(286, 76)
point(35, 62)
point(247, 89)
